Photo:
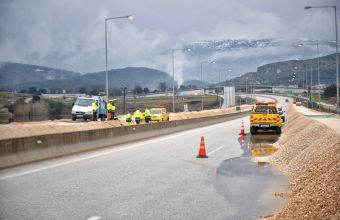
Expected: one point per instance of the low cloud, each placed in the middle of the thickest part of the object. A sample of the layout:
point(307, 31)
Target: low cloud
point(70, 35)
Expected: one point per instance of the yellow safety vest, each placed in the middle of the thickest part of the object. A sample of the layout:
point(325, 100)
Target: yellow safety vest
point(94, 107)
point(137, 114)
point(147, 112)
point(111, 107)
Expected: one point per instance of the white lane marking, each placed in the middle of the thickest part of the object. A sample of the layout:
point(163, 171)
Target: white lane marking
point(94, 218)
point(217, 149)
point(107, 152)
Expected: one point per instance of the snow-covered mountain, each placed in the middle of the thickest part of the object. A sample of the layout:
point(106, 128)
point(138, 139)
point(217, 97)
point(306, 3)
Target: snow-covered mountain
point(229, 45)
point(245, 55)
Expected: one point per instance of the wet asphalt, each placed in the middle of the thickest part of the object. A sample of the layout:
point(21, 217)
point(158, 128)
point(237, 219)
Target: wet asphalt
point(159, 178)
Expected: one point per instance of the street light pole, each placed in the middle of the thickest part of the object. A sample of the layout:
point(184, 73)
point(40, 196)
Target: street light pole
point(317, 48)
point(311, 83)
point(202, 88)
point(318, 60)
point(336, 52)
point(130, 17)
point(173, 75)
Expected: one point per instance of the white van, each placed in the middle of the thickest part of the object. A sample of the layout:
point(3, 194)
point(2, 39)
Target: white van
point(82, 108)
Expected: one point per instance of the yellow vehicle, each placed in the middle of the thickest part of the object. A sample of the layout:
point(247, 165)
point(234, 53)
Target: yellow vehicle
point(159, 114)
point(265, 116)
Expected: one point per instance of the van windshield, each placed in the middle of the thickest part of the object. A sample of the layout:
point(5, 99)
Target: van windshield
point(155, 111)
point(84, 102)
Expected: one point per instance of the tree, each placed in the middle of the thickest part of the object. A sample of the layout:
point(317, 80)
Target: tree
point(56, 90)
point(162, 86)
point(146, 90)
point(82, 90)
point(42, 91)
point(35, 98)
point(137, 90)
point(330, 91)
point(32, 90)
point(115, 92)
point(94, 92)
point(182, 87)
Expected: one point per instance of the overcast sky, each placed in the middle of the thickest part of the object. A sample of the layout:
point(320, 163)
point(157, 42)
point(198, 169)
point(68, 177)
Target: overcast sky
point(69, 34)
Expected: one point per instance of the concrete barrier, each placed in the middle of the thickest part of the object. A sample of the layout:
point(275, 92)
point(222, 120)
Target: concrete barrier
point(24, 150)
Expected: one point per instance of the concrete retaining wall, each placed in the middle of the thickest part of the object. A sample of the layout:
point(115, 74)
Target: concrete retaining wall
point(19, 151)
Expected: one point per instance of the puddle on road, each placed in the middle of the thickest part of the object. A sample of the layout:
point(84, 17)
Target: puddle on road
point(249, 183)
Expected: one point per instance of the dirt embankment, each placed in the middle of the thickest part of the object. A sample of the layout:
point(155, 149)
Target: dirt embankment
point(309, 153)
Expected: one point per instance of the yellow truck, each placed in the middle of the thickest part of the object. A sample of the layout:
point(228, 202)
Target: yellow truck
point(265, 116)
point(159, 114)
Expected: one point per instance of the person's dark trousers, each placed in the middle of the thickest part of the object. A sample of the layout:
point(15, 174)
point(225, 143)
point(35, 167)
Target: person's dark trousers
point(94, 116)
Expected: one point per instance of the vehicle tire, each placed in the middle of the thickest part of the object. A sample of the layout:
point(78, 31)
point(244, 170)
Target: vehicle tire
point(85, 119)
point(278, 130)
point(162, 119)
point(74, 118)
point(283, 119)
point(253, 130)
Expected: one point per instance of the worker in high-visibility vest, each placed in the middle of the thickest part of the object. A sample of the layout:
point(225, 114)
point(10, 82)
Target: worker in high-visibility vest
point(128, 119)
point(112, 109)
point(95, 110)
point(147, 115)
point(137, 115)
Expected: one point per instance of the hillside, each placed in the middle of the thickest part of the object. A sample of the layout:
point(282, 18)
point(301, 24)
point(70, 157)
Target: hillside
point(15, 76)
point(282, 73)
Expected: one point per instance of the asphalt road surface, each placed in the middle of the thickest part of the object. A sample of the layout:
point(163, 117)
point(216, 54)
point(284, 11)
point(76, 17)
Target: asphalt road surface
point(158, 178)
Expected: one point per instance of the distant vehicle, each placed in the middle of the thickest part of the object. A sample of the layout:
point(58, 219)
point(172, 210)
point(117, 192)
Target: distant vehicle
point(282, 114)
point(159, 114)
point(82, 108)
point(298, 103)
point(265, 116)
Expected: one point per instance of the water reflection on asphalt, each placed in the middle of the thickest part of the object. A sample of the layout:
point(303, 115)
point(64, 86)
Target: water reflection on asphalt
point(248, 183)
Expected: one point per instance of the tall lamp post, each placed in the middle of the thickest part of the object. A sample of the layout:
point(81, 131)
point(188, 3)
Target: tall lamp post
point(130, 17)
point(317, 52)
point(336, 51)
point(173, 74)
point(202, 88)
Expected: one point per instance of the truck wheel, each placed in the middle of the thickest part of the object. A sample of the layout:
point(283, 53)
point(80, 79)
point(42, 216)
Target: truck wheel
point(253, 130)
point(278, 130)
point(74, 118)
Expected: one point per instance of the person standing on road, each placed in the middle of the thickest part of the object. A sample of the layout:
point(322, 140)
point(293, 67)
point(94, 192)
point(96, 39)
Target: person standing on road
point(147, 115)
point(111, 108)
point(95, 110)
point(128, 118)
point(137, 115)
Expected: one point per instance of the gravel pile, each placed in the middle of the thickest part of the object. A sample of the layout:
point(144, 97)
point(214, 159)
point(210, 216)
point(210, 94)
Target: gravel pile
point(309, 153)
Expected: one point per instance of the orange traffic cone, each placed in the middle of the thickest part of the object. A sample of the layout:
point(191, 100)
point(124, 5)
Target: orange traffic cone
point(242, 129)
point(202, 153)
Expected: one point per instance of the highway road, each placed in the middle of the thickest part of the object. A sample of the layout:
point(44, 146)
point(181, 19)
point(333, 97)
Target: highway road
point(158, 178)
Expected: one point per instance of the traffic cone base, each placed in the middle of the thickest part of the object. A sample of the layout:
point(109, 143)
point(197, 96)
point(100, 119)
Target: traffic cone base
point(202, 153)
